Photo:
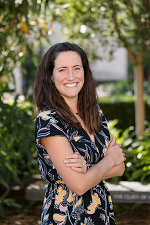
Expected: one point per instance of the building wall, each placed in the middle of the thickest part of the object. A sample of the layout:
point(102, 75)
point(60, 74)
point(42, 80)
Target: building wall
point(111, 70)
point(102, 70)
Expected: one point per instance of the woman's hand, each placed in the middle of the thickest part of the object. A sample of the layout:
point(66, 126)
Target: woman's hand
point(115, 151)
point(76, 162)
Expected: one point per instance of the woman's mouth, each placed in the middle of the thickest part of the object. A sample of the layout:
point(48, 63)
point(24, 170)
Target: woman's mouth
point(71, 85)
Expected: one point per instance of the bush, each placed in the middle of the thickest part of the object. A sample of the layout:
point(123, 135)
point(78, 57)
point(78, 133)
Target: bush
point(18, 159)
point(138, 157)
point(122, 108)
point(137, 152)
point(124, 87)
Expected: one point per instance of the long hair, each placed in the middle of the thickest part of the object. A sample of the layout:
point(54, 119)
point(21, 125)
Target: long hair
point(47, 97)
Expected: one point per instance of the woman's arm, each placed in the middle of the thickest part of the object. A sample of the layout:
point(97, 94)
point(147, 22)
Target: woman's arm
point(116, 170)
point(58, 148)
point(76, 163)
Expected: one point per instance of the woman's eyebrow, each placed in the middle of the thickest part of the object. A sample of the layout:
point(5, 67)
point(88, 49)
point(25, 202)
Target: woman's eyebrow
point(66, 67)
point(77, 65)
point(61, 67)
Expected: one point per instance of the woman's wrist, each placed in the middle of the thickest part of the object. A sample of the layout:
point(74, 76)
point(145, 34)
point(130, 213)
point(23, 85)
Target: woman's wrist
point(112, 159)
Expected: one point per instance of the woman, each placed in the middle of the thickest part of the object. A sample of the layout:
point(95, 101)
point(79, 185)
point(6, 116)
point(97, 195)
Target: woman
point(70, 121)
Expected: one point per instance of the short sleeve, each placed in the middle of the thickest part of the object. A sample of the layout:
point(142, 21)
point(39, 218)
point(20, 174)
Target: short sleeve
point(48, 124)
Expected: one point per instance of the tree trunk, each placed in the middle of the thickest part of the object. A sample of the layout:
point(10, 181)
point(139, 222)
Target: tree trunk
point(139, 102)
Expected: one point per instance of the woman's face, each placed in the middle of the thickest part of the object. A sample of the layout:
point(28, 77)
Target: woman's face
point(68, 74)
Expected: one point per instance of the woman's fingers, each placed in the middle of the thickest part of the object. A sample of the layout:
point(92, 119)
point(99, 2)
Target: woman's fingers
point(116, 152)
point(78, 165)
point(112, 142)
point(81, 169)
point(74, 156)
point(76, 162)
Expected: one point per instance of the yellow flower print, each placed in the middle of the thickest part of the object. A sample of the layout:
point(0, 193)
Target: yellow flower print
point(76, 138)
point(108, 218)
point(59, 182)
point(105, 184)
point(44, 114)
point(70, 198)
point(104, 217)
point(46, 217)
point(109, 198)
point(61, 194)
point(52, 120)
point(58, 217)
point(78, 203)
point(95, 202)
point(97, 149)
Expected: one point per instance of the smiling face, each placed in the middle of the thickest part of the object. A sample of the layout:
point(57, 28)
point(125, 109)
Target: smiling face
point(68, 75)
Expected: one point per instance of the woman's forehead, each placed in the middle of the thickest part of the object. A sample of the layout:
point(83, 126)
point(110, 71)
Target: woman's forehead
point(68, 58)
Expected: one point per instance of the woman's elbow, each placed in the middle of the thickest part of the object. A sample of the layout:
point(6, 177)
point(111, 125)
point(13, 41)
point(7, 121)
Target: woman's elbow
point(79, 188)
point(121, 170)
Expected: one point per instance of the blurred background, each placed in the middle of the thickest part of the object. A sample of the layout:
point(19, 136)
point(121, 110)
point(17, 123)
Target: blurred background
point(116, 37)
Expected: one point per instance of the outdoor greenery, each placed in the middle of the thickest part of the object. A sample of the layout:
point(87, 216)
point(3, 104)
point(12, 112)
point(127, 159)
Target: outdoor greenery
point(18, 159)
point(122, 108)
point(110, 24)
point(137, 152)
point(125, 87)
point(24, 25)
point(18, 154)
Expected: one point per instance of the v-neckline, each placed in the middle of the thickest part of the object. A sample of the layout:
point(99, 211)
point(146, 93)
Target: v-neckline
point(89, 136)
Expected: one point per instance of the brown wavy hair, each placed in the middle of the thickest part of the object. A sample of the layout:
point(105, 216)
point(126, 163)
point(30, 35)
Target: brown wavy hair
point(47, 97)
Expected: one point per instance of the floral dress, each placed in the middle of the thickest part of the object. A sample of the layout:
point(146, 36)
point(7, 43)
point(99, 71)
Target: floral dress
point(61, 205)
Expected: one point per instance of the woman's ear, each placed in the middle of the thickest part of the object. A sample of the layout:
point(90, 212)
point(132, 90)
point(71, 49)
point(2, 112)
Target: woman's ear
point(52, 78)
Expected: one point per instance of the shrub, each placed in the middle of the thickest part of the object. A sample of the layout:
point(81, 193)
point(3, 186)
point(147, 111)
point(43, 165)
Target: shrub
point(137, 152)
point(17, 147)
point(122, 108)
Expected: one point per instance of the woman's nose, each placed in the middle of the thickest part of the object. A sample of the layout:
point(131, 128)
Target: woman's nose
point(70, 75)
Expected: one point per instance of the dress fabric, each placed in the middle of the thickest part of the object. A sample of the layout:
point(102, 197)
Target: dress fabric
point(61, 205)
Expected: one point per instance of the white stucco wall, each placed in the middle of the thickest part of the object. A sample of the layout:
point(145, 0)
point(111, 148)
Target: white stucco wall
point(102, 70)
point(111, 70)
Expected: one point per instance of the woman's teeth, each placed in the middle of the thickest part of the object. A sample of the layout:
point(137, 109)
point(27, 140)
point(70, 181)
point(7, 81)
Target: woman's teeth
point(71, 85)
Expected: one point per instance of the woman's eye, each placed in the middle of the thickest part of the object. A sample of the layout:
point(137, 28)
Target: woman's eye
point(62, 70)
point(77, 68)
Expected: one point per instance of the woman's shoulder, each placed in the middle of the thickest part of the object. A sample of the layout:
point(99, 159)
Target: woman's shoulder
point(47, 114)
point(49, 123)
point(50, 117)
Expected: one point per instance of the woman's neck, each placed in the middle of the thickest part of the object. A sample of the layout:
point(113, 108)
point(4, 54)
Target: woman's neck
point(73, 105)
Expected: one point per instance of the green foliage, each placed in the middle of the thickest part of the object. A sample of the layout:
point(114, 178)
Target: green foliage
point(127, 22)
point(7, 201)
point(124, 87)
point(137, 152)
point(122, 108)
point(18, 161)
point(138, 156)
point(22, 25)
